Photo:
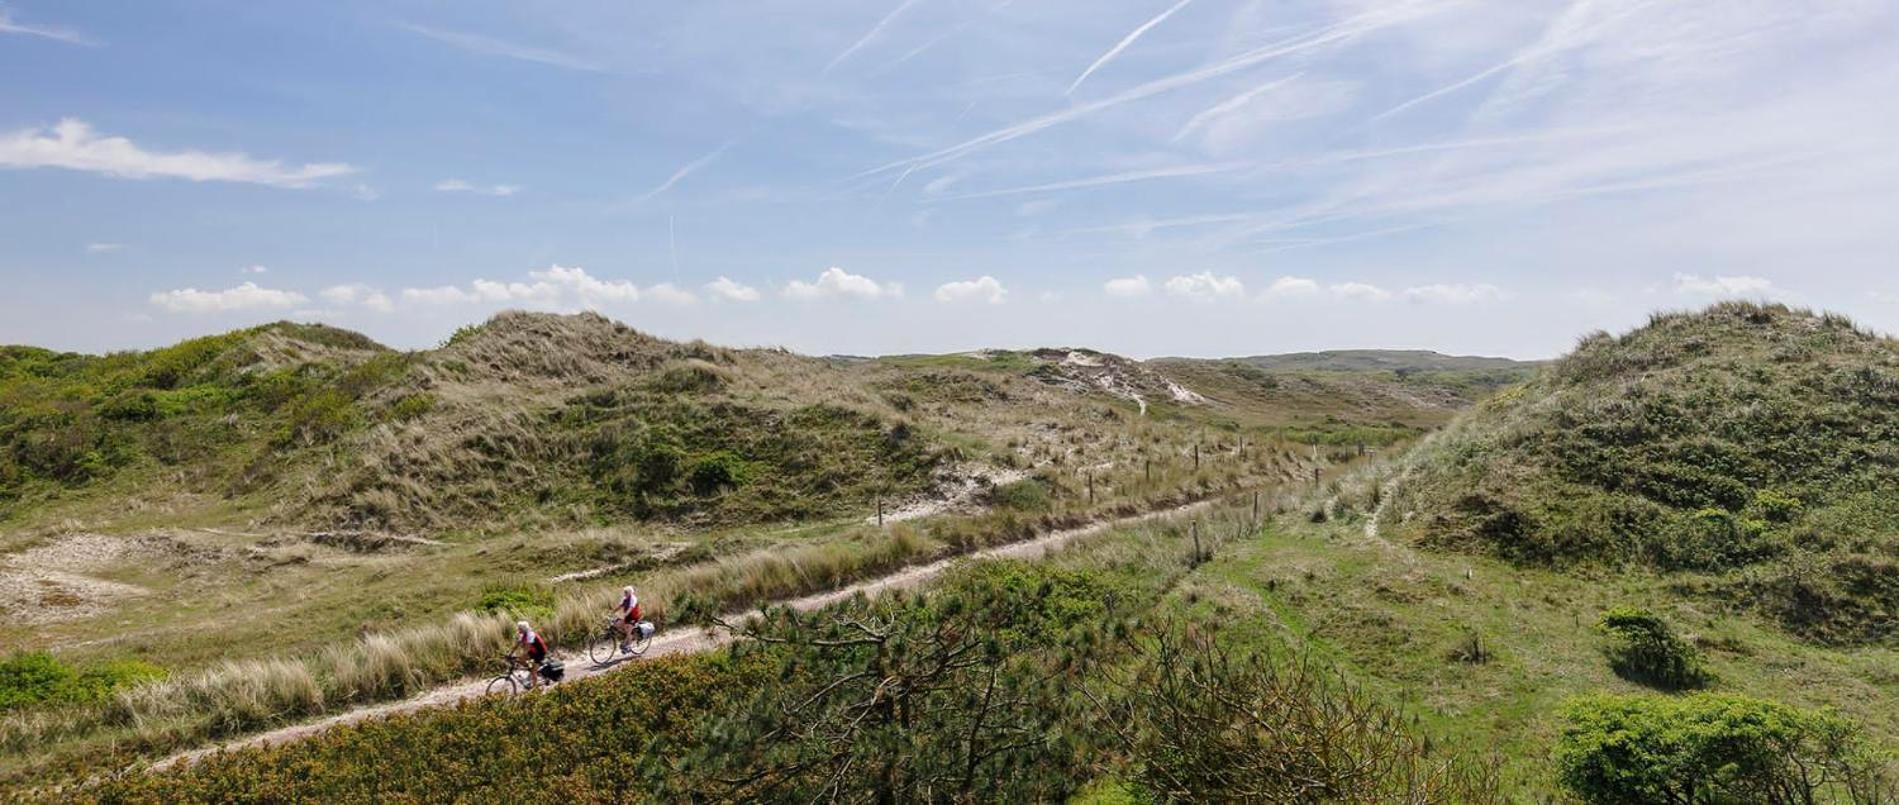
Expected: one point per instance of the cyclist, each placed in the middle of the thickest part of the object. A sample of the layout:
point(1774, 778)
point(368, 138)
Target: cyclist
point(529, 641)
point(629, 611)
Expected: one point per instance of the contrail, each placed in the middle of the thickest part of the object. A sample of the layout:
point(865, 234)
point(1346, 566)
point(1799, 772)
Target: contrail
point(1229, 105)
point(684, 171)
point(1110, 179)
point(865, 39)
point(1124, 43)
point(1324, 36)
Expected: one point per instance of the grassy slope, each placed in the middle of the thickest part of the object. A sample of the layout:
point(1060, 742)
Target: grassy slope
point(1748, 450)
point(527, 460)
point(1390, 615)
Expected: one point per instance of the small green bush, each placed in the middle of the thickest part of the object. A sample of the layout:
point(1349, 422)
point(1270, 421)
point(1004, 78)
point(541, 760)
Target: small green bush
point(1644, 649)
point(525, 601)
point(38, 678)
point(412, 407)
point(1710, 748)
point(1027, 495)
point(721, 470)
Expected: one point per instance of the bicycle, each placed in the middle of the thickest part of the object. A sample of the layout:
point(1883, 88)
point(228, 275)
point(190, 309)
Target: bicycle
point(608, 644)
point(515, 678)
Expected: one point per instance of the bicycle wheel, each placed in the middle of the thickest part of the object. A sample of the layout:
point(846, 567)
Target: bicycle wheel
point(641, 643)
point(602, 648)
point(504, 685)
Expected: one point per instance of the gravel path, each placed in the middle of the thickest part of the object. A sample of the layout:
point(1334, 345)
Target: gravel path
point(685, 641)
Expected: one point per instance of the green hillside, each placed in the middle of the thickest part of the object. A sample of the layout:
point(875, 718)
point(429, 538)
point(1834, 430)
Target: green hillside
point(1751, 450)
point(1384, 360)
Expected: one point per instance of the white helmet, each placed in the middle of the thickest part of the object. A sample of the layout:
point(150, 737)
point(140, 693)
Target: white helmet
point(521, 626)
point(627, 589)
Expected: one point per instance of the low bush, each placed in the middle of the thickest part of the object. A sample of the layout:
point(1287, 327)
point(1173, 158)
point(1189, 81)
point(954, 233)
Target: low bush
point(1709, 748)
point(38, 678)
point(1644, 649)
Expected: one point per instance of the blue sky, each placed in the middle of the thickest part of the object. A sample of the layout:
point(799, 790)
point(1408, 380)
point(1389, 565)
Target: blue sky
point(1202, 177)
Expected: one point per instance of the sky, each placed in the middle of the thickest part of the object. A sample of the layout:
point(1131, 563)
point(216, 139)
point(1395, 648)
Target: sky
point(1174, 177)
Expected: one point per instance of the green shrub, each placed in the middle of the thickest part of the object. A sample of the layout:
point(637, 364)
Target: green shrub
point(38, 678)
point(1026, 495)
point(412, 406)
point(526, 602)
point(1710, 748)
point(721, 470)
point(1644, 649)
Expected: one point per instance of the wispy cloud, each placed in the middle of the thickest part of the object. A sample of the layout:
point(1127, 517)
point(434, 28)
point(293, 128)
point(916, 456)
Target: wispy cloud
point(489, 46)
point(874, 32)
point(1228, 106)
point(463, 186)
point(684, 171)
point(1109, 179)
point(1290, 287)
point(104, 248)
point(1124, 43)
point(1330, 35)
point(247, 296)
point(56, 33)
point(73, 145)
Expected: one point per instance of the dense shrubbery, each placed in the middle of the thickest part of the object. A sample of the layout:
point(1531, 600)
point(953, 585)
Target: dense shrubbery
point(1011, 681)
point(1741, 437)
point(1709, 748)
point(1644, 649)
point(37, 678)
point(654, 455)
point(69, 419)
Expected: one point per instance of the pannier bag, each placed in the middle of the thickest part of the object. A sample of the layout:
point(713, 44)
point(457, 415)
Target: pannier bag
point(553, 670)
point(646, 629)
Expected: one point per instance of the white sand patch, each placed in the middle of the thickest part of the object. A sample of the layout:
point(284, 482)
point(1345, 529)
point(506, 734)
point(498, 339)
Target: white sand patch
point(49, 584)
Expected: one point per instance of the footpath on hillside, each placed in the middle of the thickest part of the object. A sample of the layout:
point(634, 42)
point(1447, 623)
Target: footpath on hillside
point(689, 641)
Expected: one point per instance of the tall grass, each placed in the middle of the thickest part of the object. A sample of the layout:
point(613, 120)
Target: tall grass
point(236, 697)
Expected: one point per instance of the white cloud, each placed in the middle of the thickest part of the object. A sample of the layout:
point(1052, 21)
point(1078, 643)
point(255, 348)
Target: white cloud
point(1360, 291)
point(836, 282)
point(670, 294)
point(463, 186)
point(984, 288)
point(441, 295)
point(1723, 286)
point(1455, 294)
point(557, 287)
point(55, 33)
point(247, 296)
point(1285, 287)
point(358, 294)
point(103, 248)
point(256, 270)
point(590, 290)
point(1205, 286)
point(730, 291)
point(72, 144)
point(1136, 285)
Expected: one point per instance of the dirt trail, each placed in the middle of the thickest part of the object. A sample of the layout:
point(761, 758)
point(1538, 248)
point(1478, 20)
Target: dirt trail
point(688, 641)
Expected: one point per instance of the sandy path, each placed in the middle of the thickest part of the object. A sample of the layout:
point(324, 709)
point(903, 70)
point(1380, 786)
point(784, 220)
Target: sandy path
point(687, 641)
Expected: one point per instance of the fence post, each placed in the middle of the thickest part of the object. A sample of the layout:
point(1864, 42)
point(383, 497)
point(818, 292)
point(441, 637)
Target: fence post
point(1195, 529)
point(1196, 457)
point(880, 511)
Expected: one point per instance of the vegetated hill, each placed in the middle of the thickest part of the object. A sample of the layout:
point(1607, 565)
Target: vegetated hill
point(548, 417)
point(537, 420)
point(1752, 449)
point(1385, 360)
